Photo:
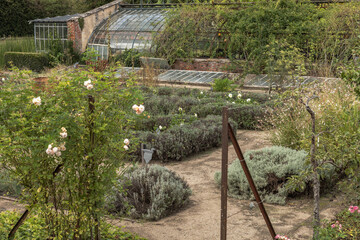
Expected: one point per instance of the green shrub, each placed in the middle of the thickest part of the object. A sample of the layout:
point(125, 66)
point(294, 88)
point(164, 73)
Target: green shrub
point(8, 186)
point(129, 58)
point(222, 85)
point(246, 116)
point(151, 192)
point(181, 141)
point(35, 228)
point(33, 61)
point(270, 168)
point(62, 53)
point(346, 225)
point(166, 121)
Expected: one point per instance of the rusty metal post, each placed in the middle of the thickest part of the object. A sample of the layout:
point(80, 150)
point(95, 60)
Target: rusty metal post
point(251, 182)
point(18, 224)
point(26, 213)
point(224, 172)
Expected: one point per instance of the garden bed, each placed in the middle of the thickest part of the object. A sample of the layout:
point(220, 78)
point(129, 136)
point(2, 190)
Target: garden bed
point(181, 121)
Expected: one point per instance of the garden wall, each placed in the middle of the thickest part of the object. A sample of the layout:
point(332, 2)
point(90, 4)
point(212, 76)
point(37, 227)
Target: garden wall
point(203, 64)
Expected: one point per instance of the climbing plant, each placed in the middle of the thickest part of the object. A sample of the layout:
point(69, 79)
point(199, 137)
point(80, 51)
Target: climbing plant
point(64, 145)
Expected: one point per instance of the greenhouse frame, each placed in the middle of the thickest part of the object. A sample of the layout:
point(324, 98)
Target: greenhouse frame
point(127, 29)
point(49, 29)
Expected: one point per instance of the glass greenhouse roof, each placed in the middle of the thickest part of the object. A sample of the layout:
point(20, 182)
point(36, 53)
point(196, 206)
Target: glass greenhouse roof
point(127, 29)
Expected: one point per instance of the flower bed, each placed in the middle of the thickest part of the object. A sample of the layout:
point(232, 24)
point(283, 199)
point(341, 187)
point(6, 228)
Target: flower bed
point(179, 122)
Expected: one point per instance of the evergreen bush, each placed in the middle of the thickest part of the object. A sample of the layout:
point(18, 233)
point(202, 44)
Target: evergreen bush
point(270, 168)
point(151, 192)
point(33, 61)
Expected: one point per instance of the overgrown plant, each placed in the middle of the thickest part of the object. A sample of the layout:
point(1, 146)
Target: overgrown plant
point(284, 64)
point(329, 133)
point(64, 145)
point(222, 85)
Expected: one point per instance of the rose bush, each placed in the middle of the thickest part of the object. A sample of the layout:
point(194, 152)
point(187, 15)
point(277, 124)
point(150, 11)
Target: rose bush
point(64, 145)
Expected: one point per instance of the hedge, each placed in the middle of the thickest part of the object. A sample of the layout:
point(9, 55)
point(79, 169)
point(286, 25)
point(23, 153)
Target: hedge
point(183, 140)
point(246, 116)
point(33, 61)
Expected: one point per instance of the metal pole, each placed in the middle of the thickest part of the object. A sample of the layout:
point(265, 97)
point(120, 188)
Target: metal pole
point(251, 182)
point(142, 155)
point(224, 173)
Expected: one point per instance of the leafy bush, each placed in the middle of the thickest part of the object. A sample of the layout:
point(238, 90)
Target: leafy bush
point(129, 58)
point(270, 168)
point(8, 186)
point(246, 116)
point(222, 85)
point(346, 225)
point(151, 192)
point(337, 125)
point(33, 61)
point(183, 140)
point(165, 121)
point(35, 228)
point(62, 53)
point(75, 131)
point(322, 39)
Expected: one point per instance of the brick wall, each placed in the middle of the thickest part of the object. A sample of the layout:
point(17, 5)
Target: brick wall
point(74, 34)
point(215, 65)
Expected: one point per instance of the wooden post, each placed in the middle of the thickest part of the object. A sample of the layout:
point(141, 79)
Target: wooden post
point(251, 182)
point(224, 173)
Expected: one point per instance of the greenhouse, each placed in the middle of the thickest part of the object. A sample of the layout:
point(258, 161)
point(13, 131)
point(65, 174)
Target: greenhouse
point(127, 29)
point(48, 29)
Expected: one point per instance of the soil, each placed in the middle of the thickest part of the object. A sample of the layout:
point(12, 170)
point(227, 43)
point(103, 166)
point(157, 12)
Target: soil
point(200, 220)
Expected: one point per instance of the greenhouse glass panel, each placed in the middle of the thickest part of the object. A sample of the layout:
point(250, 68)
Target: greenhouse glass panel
point(46, 32)
point(128, 29)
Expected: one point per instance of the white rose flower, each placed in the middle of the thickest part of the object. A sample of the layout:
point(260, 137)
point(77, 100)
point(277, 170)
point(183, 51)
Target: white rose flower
point(86, 83)
point(49, 151)
point(62, 147)
point(160, 127)
point(141, 108)
point(3, 79)
point(58, 154)
point(90, 86)
point(126, 147)
point(233, 102)
point(63, 129)
point(201, 92)
point(195, 114)
point(55, 149)
point(50, 146)
point(63, 134)
point(239, 96)
point(37, 101)
point(230, 95)
point(248, 100)
point(126, 141)
point(135, 107)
